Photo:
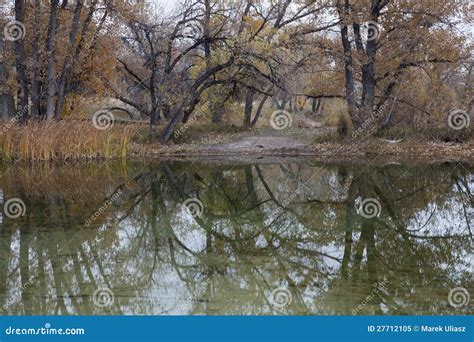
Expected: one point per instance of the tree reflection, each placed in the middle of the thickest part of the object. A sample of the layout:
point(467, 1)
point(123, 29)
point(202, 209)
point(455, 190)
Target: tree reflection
point(293, 226)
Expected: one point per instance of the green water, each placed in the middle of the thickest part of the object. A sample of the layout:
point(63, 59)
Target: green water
point(286, 238)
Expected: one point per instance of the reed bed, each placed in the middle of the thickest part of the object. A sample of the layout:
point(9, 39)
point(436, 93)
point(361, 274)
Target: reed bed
point(64, 140)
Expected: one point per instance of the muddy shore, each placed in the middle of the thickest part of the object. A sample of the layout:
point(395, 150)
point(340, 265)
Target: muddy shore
point(257, 148)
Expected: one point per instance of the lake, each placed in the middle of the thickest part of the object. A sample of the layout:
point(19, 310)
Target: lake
point(235, 238)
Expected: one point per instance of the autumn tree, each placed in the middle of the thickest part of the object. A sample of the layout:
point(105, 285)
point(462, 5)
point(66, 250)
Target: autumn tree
point(57, 40)
point(386, 41)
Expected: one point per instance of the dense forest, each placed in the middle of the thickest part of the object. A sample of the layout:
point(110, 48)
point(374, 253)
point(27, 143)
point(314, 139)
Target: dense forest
point(367, 66)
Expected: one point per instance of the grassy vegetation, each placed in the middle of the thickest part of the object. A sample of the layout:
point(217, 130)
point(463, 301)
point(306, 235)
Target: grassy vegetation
point(65, 140)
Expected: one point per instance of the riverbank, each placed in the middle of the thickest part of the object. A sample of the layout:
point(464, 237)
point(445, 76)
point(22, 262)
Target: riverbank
point(267, 147)
point(68, 141)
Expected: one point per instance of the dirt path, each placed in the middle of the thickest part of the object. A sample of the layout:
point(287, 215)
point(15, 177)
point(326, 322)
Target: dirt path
point(257, 144)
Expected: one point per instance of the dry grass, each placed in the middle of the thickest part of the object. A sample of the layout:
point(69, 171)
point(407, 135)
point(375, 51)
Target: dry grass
point(65, 140)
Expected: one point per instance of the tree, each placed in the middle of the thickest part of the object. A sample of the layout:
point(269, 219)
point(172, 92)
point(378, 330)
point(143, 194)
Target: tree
point(20, 58)
point(401, 38)
point(51, 56)
point(7, 102)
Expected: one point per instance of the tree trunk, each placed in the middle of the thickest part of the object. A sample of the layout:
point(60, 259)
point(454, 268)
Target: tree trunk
point(169, 129)
point(222, 94)
point(368, 81)
point(314, 106)
point(349, 77)
point(274, 103)
point(35, 84)
point(217, 110)
point(51, 55)
point(185, 110)
point(215, 104)
point(248, 108)
point(21, 61)
point(167, 111)
point(69, 59)
point(7, 102)
point(69, 62)
point(7, 106)
point(154, 119)
point(259, 110)
point(368, 69)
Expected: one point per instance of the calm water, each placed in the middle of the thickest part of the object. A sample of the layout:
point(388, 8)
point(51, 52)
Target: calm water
point(291, 238)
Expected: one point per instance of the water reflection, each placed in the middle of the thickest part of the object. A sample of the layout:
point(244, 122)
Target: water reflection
point(272, 239)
